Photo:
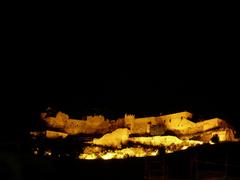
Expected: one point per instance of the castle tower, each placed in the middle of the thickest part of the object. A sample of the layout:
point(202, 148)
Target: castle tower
point(129, 120)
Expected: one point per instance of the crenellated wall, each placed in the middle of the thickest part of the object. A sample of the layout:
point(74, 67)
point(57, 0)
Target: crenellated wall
point(177, 122)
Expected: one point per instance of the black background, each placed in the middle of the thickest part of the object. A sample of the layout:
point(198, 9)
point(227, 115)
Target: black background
point(116, 82)
point(93, 66)
point(98, 65)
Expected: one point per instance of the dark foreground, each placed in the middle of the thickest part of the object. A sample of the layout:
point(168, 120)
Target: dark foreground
point(221, 161)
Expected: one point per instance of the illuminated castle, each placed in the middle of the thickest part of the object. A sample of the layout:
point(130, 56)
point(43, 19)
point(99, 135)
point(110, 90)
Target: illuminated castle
point(178, 123)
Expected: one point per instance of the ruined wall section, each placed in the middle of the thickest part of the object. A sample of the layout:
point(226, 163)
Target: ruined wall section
point(57, 122)
point(204, 126)
point(143, 125)
point(179, 123)
point(93, 124)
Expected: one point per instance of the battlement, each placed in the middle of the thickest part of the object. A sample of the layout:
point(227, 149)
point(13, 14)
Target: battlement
point(177, 122)
point(129, 116)
point(95, 116)
point(179, 115)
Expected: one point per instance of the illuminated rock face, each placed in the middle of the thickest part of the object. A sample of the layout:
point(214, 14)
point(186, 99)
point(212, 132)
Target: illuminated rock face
point(115, 139)
point(93, 153)
point(157, 140)
point(144, 146)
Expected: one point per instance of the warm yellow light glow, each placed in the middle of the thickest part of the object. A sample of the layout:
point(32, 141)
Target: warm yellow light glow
point(210, 142)
point(47, 153)
point(184, 147)
point(132, 136)
point(120, 153)
point(35, 152)
point(170, 143)
point(88, 156)
point(109, 155)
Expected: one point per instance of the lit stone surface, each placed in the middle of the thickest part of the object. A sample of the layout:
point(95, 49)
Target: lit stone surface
point(132, 136)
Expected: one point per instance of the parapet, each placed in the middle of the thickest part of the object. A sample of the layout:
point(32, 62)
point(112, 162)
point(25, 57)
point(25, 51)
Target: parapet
point(179, 115)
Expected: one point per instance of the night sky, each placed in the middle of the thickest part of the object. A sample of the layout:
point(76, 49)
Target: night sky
point(145, 88)
point(109, 67)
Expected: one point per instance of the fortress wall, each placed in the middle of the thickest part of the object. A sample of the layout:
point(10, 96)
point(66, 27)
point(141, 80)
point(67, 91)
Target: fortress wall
point(54, 134)
point(223, 135)
point(73, 126)
point(88, 126)
point(128, 120)
point(209, 124)
point(142, 125)
point(139, 128)
point(180, 115)
point(146, 120)
point(203, 126)
point(177, 123)
point(55, 123)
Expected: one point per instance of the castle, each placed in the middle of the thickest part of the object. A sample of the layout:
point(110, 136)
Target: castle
point(178, 123)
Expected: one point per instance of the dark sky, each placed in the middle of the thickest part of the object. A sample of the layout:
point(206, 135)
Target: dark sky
point(123, 74)
point(112, 88)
